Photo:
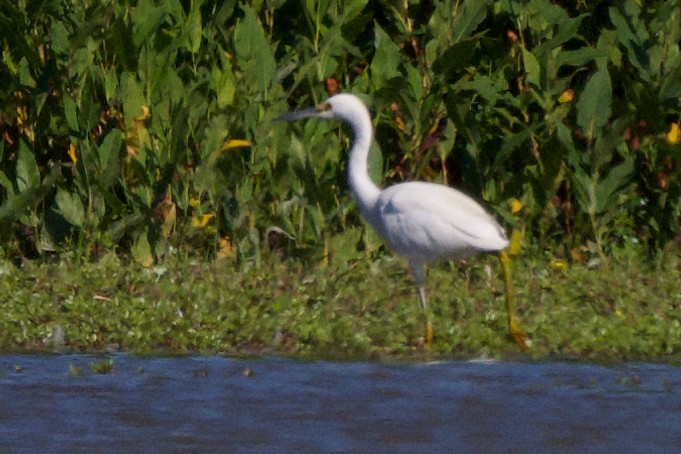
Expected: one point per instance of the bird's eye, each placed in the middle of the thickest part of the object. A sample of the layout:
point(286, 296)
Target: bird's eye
point(323, 107)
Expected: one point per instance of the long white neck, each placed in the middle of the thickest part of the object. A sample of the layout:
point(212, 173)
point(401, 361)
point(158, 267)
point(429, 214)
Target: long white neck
point(364, 190)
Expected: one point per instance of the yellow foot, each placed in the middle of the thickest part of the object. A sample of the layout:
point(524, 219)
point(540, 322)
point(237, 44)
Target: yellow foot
point(519, 336)
point(429, 335)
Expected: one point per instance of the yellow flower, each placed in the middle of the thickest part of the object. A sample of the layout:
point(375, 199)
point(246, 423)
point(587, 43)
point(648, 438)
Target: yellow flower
point(236, 143)
point(673, 134)
point(202, 221)
point(22, 115)
point(516, 206)
point(400, 123)
point(72, 153)
point(558, 264)
point(567, 96)
point(225, 249)
point(145, 115)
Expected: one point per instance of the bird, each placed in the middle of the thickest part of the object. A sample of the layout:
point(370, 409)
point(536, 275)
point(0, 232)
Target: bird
point(421, 221)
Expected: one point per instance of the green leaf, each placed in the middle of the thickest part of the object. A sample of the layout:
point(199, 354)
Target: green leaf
point(484, 87)
point(224, 85)
point(133, 97)
point(122, 45)
point(565, 137)
point(610, 187)
point(468, 16)
point(545, 13)
point(146, 19)
point(28, 174)
point(110, 147)
point(671, 86)
point(352, 8)
point(59, 38)
point(386, 60)
point(25, 77)
point(593, 107)
point(633, 38)
point(583, 185)
point(343, 247)
point(81, 61)
point(567, 29)
point(253, 50)
point(513, 141)
point(110, 86)
point(70, 113)
point(194, 29)
point(71, 207)
point(579, 57)
point(15, 207)
point(532, 68)
point(6, 183)
point(604, 148)
point(456, 57)
point(141, 251)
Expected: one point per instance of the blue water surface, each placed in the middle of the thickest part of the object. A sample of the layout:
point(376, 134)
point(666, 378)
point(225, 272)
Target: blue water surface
point(219, 404)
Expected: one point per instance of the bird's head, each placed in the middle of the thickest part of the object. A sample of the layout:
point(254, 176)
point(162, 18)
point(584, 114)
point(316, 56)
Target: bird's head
point(344, 107)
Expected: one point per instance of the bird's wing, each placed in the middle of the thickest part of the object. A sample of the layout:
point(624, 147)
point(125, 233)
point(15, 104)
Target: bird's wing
point(432, 221)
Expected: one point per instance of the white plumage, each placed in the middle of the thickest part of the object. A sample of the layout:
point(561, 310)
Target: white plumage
point(423, 222)
point(426, 222)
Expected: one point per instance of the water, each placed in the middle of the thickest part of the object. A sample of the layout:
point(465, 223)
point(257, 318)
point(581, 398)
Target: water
point(217, 404)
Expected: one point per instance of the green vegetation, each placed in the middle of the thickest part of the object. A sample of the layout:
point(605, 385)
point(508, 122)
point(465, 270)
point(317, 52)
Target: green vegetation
point(102, 367)
point(364, 309)
point(148, 201)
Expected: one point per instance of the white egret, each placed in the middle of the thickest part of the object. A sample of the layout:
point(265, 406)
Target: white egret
point(423, 222)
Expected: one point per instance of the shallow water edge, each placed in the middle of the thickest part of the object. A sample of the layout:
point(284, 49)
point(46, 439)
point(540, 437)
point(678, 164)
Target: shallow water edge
point(213, 404)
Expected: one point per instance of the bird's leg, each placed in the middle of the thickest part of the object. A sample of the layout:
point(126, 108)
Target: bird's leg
point(429, 324)
point(417, 271)
point(518, 335)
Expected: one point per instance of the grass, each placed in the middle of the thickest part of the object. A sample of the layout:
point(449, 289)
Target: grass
point(366, 309)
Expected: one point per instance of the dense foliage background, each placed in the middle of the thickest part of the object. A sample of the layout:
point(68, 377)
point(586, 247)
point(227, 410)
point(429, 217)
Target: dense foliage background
point(147, 127)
